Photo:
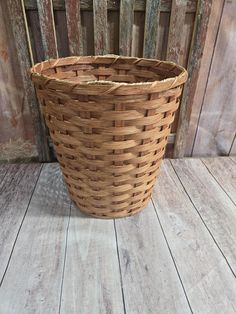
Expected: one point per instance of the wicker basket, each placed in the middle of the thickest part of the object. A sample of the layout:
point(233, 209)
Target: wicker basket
point(109, 118)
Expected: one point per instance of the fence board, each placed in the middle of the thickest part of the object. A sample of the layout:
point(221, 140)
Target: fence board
point(35, 35)
point(219, 107)
point(100, 26)
point(15, 20)
point(139, 5)
point(214, 21)
point(126, 26)
point(176, 44)
point(47, 26)
point(73, 26)
point(61, 33)
point(151, 28)
point(87, 33)
point(197, 45)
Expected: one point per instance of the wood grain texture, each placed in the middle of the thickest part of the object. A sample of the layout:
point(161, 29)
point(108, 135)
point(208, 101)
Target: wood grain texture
point(215, 207)
point(91, 279)
point(3, 171)
point(223, 170)
point(202, 268)
point(87, 34)
point(139, 5)
point(233, 158)
point(176, 44)
point(212, 31)
point(151, 28)
point(100, 26)
point(219, 107)
point(35, 35)
point(16, 189)
point(61, 33)
point(232, 151)
point(48, 33)
point(14, 19)
point(126, 27)
point(138, 34)
point(33, 281)
point(73, 26)
point(150, 281)
point(194, 63)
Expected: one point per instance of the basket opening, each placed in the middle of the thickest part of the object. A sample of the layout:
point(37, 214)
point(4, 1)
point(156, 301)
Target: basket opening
point(120, 70)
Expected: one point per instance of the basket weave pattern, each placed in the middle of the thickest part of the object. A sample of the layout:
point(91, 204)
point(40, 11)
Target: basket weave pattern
point(109, 118)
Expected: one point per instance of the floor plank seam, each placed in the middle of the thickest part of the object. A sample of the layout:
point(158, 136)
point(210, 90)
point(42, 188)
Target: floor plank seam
point(118, 256)
point(172, 257)
point(204, 223)
point(232, 144)
point(218, 182)
point(233, 159)
point(65, 255)
point(18, 232)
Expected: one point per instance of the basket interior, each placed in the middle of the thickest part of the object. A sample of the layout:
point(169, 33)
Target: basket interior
point(112, 69)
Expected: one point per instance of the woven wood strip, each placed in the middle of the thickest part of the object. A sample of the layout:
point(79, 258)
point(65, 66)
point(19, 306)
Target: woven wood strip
point(109, 118)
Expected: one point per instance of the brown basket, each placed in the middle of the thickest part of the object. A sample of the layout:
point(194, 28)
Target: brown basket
point(109, 118)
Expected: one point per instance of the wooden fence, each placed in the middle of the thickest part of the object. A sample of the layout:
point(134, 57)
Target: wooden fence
point(175, 30)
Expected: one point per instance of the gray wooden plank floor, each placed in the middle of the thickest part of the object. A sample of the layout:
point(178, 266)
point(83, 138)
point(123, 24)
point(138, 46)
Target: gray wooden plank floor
point(177, 256)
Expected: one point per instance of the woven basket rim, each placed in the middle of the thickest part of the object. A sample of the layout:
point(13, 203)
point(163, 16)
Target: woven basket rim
point(159, 85)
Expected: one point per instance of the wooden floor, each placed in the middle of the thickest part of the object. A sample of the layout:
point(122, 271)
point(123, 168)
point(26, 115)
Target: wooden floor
point(177, 256)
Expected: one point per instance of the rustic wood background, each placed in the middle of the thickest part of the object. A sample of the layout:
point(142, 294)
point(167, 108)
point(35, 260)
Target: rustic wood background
point(198, 34)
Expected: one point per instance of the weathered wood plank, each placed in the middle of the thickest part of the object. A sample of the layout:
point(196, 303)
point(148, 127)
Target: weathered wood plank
point(139, 5)
point(194, 63)
point(100, 26)
point(214, 21)
point(61, 34)
point(35, 35)
point(233, 158)
point(16, 189)
point(126, 27)
point(47, 26)
point(176, 44)
point(138, 34)
point(151, 28)
point(233, 147)
point(15, 21)
point(218, 112)
point(202, 267)
point(73, 26)
point(223, 170)
point(87, 34)
point(150, 281)
point(92, 279)
point(32, 283)
point(215, 207)
point(3, 171)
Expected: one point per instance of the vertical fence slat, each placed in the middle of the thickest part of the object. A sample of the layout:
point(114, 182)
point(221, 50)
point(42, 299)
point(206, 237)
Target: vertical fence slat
point(73, 26)
point(213, 28)
point(194, 62)
point(176, 45)
point(15, 19)
point(151, 28)
point(47, 26)
point(126, 26)
point(100, 26)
